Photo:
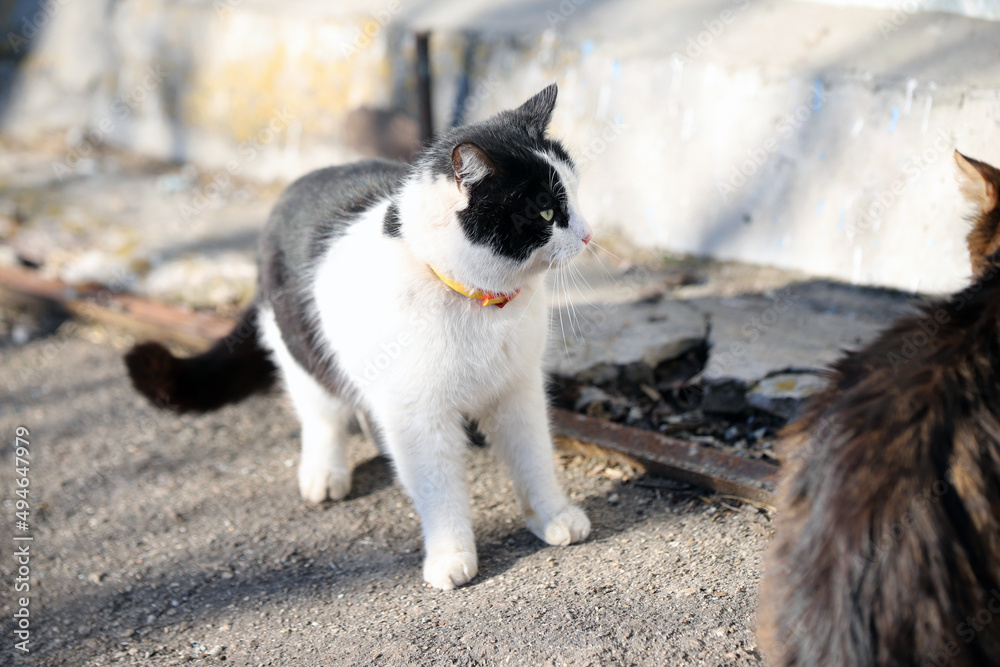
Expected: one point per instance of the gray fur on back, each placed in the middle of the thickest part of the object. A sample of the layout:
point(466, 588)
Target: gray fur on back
point(311, 214)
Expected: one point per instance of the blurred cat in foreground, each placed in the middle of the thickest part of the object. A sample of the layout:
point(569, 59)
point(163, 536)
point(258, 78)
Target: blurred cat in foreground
point(887, 545)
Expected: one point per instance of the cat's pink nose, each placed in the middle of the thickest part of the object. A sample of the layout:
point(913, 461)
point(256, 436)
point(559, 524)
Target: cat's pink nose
point(586, 239)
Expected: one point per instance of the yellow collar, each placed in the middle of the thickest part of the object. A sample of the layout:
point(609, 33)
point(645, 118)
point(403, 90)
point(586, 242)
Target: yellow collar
point(485, 298)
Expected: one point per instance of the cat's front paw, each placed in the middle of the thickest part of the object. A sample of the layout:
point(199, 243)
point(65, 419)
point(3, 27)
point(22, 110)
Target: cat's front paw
point(449, 570)
point(317, 484)
point(564, 527)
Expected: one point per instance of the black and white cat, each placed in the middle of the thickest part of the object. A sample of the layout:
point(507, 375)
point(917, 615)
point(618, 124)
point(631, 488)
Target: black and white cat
point(414, 296)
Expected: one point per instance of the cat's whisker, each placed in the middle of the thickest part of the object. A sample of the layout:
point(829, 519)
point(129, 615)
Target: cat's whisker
point(527, 308)
point(573, 310)
point(562, 331)
point(578, 276)
point(574, 321)
point(600, 262)
point(566, 299)
point(557, 306)
point(580, 316)
point(604, 249)
point(584, 296)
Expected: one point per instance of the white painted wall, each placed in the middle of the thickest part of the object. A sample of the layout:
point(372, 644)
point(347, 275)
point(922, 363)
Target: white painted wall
point(802, 135)
point(977, 9)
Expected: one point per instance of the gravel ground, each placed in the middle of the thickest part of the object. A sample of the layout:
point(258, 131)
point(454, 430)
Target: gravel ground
point(163, 540)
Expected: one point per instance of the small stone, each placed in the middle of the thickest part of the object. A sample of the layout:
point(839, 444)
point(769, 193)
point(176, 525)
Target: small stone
point(652, 393)
point(671, 349)
point(613, 499)
point(598, 374)
point(20, 334)
point(215, 651)
point(589, 395)
point(784, 394)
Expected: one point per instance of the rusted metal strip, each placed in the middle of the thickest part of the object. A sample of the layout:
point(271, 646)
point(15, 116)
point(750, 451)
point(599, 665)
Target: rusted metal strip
point(687, 461)
point(144, 318)
point(690, 462)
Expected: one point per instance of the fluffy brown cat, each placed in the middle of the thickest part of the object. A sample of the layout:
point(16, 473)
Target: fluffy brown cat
point(887, 545)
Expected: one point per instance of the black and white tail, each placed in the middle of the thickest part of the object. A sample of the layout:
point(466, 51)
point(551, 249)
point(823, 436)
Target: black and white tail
point(231, 370)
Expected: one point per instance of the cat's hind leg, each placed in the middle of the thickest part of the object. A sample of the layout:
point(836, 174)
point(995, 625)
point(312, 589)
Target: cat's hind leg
point(324, 471)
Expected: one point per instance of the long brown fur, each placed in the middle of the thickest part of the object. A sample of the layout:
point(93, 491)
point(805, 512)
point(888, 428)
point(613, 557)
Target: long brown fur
point(887, 544)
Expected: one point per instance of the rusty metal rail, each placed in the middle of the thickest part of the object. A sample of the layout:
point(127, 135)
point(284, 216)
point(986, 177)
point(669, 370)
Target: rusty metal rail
point(141, 317)
point(728, 474)
point(670, 457)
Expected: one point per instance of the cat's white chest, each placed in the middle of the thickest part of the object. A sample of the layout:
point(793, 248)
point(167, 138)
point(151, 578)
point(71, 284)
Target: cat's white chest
point(396, 330)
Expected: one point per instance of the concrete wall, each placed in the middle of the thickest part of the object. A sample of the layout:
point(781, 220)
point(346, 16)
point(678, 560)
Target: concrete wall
point(977, 9)
point(806, 136)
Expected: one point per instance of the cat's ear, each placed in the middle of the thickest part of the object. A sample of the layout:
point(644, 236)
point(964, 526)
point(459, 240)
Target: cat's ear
point(471, 164)
point(978, 182)
point(537, 111)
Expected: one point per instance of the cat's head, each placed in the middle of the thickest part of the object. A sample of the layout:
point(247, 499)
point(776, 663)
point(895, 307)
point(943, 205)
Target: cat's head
point(495, 202)
point(980, 184)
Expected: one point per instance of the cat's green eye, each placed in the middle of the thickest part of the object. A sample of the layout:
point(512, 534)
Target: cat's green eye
point(547, 214)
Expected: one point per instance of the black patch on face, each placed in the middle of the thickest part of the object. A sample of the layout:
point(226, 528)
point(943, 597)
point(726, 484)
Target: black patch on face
point(391, 225)
point(505, 208)
point(505, 211)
